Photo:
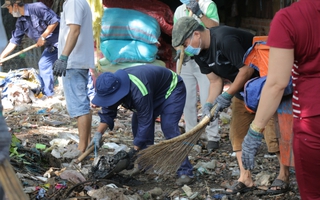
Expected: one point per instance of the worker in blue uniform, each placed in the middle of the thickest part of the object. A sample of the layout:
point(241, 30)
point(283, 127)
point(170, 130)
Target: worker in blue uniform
point(149, 91)
point(40, 24)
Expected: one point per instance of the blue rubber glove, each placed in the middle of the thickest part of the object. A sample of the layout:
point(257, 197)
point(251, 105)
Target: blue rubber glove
point(185, 1)
point(250, 146)
point(5, 138)
point(96, 140)
point(223, 101)
point(206, 109)
point(194, 7)
point(60, 66)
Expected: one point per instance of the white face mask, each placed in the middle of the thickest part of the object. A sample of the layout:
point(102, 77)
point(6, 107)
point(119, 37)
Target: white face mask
point(16, 13)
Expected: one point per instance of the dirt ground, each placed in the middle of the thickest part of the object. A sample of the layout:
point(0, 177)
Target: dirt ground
point(42, 176)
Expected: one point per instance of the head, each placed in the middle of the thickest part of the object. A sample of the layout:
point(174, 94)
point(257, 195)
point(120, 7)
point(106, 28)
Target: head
point(186, 31)
point(14, 7)
point(111, 88)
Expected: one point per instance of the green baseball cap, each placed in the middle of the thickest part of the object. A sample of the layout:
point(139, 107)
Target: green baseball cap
point(182, 30)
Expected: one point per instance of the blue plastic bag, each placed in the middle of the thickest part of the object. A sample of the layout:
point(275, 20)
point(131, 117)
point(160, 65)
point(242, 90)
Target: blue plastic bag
point(117, 51)
point(253, 89)
point(128, 24)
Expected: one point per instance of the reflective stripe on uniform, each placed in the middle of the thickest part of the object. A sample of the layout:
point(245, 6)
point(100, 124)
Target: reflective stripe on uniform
point(139, 84)
point(173, 84)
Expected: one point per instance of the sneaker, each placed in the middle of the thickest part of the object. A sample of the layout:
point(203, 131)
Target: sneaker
point(212, 145)
point(183, 180)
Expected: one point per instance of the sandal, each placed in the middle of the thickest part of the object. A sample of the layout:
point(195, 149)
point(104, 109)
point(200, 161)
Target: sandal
point(239, 187)
point(282, 187)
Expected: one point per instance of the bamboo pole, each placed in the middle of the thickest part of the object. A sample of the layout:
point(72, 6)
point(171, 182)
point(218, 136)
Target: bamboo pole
point(10, 182)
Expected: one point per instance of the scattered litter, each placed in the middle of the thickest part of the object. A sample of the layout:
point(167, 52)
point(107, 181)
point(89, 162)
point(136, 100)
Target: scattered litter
point(116, 147)
point(202, 170)
point(111, 185)
point(235, 172)
point(72, 151)
point(60, 142)
point(95, 121)
point(225, 118)
point(269, 156)
point(29, 189)
point(40, 146)
point(72, 176)
point(233, 154)
point(187, 190)
point(41, 194)
point(262, 179)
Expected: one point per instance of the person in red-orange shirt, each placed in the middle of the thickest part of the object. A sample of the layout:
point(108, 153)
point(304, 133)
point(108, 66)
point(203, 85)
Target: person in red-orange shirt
point(294, 51)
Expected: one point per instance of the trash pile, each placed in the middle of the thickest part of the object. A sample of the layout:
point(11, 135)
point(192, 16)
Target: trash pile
point(45, 143)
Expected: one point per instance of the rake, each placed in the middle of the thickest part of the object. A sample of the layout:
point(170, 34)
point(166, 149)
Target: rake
point(167, 155)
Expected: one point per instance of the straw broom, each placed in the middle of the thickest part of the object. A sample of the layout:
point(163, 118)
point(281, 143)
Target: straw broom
point(11, 184)
point(168, 155)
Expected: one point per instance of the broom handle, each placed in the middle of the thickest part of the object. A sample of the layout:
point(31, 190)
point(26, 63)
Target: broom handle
point(10, 183)
point(87, 152)
point(204, 121)
point(18, 53)
point(182, 52)
point(180, 59)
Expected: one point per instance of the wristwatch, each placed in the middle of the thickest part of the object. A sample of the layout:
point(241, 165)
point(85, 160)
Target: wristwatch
point(200, 15)
point(42, 38)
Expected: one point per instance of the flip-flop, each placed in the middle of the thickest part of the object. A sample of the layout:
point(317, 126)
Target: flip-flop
point(239, 187)
point(283, 187)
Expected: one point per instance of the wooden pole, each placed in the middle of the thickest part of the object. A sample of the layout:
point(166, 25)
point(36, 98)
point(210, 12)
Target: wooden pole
point(10, 182)
point(18, 53)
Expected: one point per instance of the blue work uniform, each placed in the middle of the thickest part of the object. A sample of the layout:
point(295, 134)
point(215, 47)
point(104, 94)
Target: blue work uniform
point(37, 17)
point(153, 91)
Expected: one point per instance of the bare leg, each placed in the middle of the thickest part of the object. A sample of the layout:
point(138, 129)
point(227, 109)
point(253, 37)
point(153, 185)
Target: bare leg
point(283, 172)
point(84, 129)
point(245, 175)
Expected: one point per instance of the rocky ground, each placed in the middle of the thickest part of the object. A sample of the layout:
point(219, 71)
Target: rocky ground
point(45, 141)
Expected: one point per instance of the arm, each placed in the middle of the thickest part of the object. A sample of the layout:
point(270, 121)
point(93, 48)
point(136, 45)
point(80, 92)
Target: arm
point(279, 71)
point(60, 65)
point(45, 34)
point(277, 80)
point(211, 17)
point(242, 77)
point(215, 88)
point(10, 47)
point(72, 39)
point(102, 127)
point(209, 23)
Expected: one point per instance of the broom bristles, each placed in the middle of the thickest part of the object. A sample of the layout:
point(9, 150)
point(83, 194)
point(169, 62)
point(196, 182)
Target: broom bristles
point(167, 156)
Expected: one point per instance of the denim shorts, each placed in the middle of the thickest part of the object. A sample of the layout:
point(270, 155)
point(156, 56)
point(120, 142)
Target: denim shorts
point(76, 92)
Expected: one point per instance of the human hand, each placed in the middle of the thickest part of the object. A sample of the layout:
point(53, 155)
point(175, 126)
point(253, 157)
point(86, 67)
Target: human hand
point(185, 1)
point(206, 109)
point(96, 140)
point(193, 5)
point(223, 101)
point(41, 41)
point(250, 145)
point(60, 66)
